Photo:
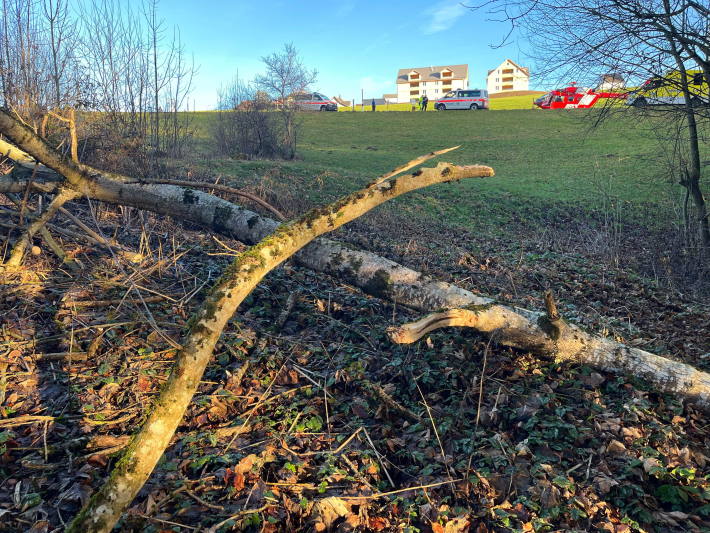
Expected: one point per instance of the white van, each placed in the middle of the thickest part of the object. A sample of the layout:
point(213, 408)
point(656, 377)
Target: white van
point(314, 102)
point(472, 99)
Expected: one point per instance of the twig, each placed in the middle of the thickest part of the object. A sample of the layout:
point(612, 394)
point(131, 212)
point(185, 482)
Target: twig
point(379, 457)
point(98, 238)
point(61, 356)
point(331, 452)
point(57, 249)
point(436, 431)
point(480, 385)
point(23, 420)
point(203, 502)
point(243, 512)
point(376, 390)
point(168, 522)
point(18, 250)
point(107, 303)
point(399, 491)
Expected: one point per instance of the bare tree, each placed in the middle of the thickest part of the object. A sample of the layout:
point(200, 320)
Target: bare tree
point(286, 75)
point(245, 126)
point(105, 55)
point(658, 40)
point(62, 29)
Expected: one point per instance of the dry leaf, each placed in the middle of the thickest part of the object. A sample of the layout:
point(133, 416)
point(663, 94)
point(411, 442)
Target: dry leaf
point(615, 447)
point(328, 510)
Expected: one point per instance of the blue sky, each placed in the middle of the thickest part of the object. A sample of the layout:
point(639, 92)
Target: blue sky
point(354, 45)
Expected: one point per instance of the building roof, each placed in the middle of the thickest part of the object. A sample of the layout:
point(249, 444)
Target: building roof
point(526, 70)
point(378, 101)
point(459, 72)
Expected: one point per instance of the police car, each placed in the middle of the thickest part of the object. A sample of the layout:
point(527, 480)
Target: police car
point(314, 102)
point(472, 99)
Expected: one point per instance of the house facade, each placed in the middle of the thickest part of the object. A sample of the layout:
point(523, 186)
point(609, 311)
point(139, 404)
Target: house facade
point(508, 77)
point(611, 82)
point(434, 82)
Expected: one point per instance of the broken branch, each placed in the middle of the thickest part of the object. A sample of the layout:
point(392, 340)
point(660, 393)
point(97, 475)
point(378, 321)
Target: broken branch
point(238, 280)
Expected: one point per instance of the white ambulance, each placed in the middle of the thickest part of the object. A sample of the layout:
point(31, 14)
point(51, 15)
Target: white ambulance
point(314, 102)
point(472, 99)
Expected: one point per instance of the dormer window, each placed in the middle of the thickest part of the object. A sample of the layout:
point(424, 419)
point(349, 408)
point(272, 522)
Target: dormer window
point(446, 73)
point(413, 75)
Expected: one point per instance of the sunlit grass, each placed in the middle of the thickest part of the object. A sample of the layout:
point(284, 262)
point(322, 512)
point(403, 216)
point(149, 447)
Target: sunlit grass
point(546, 162)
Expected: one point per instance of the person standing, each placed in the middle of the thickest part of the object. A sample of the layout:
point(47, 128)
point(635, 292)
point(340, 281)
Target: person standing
point(420, 103)
point(373, 104)
point(425, 102)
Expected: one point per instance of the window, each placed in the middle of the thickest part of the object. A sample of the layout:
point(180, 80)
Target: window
point(423, 84)
point(507, 80)
point(424, 91)
point(446, 74)
point(414, 76)
point(475, 94)
point(414, 84)
point(507, 87)
point(507, 71)
point(497, 79)
point(436, 91)
point(413, 93)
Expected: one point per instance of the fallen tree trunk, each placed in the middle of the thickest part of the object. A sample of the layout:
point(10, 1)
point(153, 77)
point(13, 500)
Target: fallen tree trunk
point(106, 506)
point(373, 274)
point(550, 336)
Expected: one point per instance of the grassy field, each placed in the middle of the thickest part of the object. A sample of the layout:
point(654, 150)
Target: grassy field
point(506, 102)
point(545, 162)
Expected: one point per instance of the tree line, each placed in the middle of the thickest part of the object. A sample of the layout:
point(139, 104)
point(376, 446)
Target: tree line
point(110, 56)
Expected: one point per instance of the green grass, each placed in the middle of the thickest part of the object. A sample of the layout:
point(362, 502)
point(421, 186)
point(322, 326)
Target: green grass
point(546, 163)
point(513, 102)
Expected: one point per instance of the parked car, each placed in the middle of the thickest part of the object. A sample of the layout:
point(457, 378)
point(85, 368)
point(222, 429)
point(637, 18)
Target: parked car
point(314, 102)
point(472, 99)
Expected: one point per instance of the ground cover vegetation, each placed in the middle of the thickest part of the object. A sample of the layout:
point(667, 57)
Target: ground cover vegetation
point(308, 416)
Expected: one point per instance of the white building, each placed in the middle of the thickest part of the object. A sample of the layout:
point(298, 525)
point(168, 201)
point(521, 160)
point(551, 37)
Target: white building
point(611, 82)
point(434, 82)
point(508, 77)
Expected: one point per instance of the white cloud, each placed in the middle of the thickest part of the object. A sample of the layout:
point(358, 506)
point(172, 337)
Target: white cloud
point(443, 16)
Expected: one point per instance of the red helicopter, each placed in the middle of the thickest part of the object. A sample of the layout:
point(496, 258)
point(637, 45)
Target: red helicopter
point(572, 97)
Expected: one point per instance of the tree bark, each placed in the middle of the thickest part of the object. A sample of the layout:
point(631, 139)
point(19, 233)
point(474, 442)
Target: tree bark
point(106, 506)
point(552, 337)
